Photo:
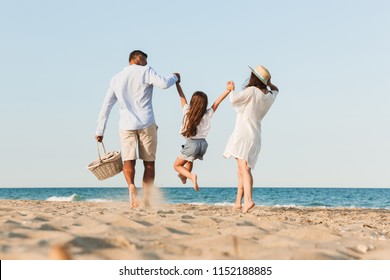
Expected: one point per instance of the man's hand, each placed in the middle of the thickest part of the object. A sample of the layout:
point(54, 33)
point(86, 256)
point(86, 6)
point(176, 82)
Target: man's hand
point(99, 138)
point(178, 77)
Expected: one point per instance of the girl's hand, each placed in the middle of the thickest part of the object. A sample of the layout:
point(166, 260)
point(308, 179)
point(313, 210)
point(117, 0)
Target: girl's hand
point(230, 85)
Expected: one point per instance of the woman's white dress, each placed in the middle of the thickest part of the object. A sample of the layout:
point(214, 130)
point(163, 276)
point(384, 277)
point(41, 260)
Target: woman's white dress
point(251, 105)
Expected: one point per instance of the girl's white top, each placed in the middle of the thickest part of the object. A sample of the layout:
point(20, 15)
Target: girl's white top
point(204, 126)
point(251, 105)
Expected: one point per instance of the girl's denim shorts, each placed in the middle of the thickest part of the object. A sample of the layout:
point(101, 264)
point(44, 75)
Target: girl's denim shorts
point(193, 149)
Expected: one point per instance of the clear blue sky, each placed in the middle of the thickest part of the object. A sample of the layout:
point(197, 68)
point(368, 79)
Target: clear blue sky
point(329, 127)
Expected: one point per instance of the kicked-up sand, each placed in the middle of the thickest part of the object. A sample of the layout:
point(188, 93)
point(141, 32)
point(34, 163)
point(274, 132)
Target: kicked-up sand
point(113, 231)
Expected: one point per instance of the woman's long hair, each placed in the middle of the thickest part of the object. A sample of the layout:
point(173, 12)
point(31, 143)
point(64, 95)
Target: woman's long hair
point(255, 82)
point(198, 107)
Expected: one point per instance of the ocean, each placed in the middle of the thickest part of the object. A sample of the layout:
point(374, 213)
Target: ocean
point(375, 198)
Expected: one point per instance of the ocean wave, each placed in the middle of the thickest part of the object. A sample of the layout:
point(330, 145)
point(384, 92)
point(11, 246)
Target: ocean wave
point(351, 207)
point(73, 197)
point(99, 200)
point(309, 206)
point(224, 204)
point(321, 198)
point(207, 203)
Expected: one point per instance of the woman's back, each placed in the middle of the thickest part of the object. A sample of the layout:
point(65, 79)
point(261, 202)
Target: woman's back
point(253, 104)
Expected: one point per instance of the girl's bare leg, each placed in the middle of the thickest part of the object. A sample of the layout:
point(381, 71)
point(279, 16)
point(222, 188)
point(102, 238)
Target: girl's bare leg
point(247, 180)
point(188, 166)
point(240, 192)
point(179, 167)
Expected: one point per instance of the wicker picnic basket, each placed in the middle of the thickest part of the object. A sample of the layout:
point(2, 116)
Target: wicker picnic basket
point(106, 166)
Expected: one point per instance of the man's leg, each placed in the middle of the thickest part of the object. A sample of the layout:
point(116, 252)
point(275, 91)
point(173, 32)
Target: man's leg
point(129, 155)
point(129, 172)
point(148, 180)
point(147, 152)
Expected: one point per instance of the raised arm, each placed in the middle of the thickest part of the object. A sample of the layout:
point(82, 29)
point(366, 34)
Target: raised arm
point(229, 88)
point(162, 82)
point(183, 99)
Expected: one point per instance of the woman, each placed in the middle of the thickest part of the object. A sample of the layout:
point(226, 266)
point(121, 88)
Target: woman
point(244, 144)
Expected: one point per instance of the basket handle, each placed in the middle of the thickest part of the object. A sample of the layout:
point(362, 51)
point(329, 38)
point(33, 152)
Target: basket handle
point(104, 149)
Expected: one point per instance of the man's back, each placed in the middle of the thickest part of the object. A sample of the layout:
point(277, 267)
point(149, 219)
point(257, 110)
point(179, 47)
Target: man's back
point(133, 88)
point(134, 92)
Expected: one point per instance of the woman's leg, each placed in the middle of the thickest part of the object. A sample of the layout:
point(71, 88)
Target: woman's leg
point(240, 191)
point(247, 181)
point(179, 167)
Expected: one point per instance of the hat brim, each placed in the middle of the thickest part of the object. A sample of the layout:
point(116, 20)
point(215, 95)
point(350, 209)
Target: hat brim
point(258, 75)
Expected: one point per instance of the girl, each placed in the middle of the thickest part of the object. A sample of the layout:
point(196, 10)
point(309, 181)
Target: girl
point(195, 126)
point(244, 144)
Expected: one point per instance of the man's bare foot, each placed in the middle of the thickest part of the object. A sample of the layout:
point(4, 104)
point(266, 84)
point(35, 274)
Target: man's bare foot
point(246, 209)
point(237, 206)
point(182, 178)
point(194, 179)
point(134, 201)
point(146, 203)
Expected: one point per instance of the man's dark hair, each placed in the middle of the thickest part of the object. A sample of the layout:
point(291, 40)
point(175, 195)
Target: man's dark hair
point(136, 53)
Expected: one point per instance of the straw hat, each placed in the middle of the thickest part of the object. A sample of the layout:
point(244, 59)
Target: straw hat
point(262, 73)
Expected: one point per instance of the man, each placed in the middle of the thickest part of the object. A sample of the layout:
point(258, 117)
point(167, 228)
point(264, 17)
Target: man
point(133, 89)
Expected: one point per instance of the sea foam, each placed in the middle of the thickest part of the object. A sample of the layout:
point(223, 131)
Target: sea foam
point(73, 197)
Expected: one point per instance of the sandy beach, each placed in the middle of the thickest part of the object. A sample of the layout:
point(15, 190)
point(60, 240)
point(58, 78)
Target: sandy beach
point(112, 231)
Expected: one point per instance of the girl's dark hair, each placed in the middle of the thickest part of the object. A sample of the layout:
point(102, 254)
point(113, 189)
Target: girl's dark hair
point(198, 107)
point(255, 82)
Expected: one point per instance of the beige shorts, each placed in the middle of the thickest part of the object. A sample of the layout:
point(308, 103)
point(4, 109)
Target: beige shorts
point(145, 139)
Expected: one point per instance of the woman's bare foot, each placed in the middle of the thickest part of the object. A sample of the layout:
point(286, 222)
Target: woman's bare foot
point(247, 208)
point(134, 201)
point(194, 179)
point(237, 206)
point(182, 178)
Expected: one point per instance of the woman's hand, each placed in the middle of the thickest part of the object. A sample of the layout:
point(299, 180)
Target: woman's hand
point(230, 85)
point(271, 85)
